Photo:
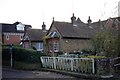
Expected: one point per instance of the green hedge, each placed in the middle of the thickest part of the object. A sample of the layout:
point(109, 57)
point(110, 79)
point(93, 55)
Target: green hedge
point(93, 56)
point(21, 55)
point(5, 53)
point(27, 66)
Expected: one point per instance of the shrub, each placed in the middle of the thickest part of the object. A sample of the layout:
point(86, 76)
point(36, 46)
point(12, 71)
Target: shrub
point(5, 53)
point(93, 57)
point(22, 55)
point(107, 42)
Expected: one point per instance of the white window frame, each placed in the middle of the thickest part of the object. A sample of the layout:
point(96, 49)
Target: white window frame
point(7, 37)
point(39, 46)
point(56, 46)
point(21, 37)
point(50, 46)
point(26, 45)
point(20, 27)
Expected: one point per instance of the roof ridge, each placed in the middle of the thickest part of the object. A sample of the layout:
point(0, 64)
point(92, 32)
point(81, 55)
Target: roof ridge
point(35, 29)
point(61, 21)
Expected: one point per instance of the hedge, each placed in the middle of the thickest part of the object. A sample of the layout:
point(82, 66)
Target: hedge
point(21, 55)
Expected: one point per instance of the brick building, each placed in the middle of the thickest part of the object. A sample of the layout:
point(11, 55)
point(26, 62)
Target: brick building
point(13, 33)
point(74, 35)
point(33, 38)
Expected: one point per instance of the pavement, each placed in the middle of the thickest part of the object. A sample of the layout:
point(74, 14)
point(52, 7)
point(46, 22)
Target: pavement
point(13, 74)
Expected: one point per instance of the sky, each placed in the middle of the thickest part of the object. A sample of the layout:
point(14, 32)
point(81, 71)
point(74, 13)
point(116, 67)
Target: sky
point(35, 12)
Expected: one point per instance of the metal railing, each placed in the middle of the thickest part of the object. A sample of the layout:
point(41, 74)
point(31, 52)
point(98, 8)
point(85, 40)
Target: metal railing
point(84, 65)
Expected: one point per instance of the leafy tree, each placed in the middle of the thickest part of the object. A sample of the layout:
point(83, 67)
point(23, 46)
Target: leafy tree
point(106, 42)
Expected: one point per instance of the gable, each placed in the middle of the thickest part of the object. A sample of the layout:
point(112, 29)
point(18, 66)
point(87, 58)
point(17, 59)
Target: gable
point(53, 32)
point(20, 27)
point(26, 37)
point(34, 35)
point(112, 24)
point(53, 28)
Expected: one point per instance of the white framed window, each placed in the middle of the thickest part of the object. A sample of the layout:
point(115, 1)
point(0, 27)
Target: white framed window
point(39, 46)
point(56, 46)
point(7, 37)
point(20, 26)
point(21, 37)
point(26, 45)
point(50, 46)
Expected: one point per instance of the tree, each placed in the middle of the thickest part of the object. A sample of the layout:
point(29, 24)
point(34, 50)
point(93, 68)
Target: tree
point(106, 42)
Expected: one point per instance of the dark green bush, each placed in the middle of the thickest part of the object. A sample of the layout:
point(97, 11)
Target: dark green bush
point(5, 53)
point(22, 55)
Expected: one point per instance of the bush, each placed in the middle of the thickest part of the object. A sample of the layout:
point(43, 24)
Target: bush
point(27, 56)
point(107, 42)
point(26, 66)
point(5, 53)
point(93, 57)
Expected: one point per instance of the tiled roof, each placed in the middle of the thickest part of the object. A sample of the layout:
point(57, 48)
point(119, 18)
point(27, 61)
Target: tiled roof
point(74, 31)
point(8, 28)
point(81, 29)
point(35, 34)
point(12, 27)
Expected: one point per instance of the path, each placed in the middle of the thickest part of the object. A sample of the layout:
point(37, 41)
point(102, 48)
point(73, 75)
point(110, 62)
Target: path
point(12, 73)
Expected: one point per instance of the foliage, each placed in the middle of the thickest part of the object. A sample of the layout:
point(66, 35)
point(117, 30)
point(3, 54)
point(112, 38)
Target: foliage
point(86, 51)
point(60, 53)
point(28, 66)
point(45, 38)
point(17, 45)
point(22, 55)
point(106, 42)
point(93, 56)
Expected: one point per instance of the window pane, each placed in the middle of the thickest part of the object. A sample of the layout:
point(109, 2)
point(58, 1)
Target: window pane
point(7, 37)
point(41, 46)
point(56, 46)
point(50, 46)
point(26, 45)
point(21, 37)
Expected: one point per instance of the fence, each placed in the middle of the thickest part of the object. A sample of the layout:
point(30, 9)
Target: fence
point(117, 64)
point(84, 65)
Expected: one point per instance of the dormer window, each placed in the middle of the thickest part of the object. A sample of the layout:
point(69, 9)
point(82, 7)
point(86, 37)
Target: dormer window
point(20, 27)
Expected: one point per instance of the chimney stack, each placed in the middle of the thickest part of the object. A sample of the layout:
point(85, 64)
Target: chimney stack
point(44, 27)
point(89, 20)
point(73, 19)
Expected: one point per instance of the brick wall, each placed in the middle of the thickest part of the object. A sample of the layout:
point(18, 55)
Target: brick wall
point(69, 45)
point(13, 39)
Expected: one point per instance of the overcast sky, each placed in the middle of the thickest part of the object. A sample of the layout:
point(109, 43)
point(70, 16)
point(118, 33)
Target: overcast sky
point(34, 12)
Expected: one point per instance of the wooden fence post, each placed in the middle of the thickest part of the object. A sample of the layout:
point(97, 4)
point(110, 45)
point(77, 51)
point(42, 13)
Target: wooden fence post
point(71, 64)
point(54, 62)
point(93, 66)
